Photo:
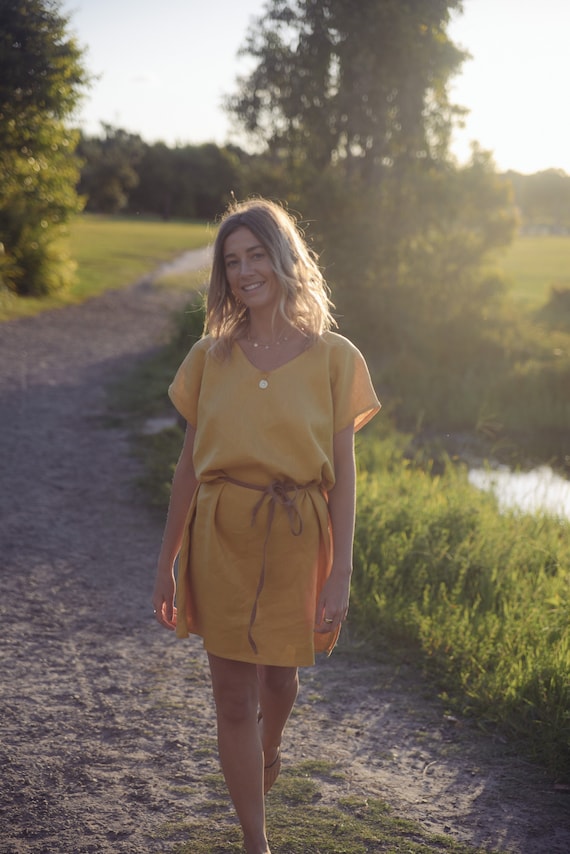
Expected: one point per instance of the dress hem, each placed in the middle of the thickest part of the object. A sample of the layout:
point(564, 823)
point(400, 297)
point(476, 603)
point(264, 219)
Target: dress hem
point(246, 658)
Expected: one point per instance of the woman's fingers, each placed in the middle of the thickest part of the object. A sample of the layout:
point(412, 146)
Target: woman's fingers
point(328, 618)
point(165, 615)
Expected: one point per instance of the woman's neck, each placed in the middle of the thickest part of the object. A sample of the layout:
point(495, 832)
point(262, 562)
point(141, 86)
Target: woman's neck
point(267, 327)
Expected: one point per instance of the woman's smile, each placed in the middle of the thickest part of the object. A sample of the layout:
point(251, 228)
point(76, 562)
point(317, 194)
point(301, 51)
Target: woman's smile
point(249, 272)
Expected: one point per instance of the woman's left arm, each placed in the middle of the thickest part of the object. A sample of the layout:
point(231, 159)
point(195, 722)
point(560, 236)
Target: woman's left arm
point(334, 598)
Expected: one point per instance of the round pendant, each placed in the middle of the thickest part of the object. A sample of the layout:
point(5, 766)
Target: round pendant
point(263, 383)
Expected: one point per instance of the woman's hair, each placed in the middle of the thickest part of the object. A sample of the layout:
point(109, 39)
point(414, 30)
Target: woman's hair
point(304, 293)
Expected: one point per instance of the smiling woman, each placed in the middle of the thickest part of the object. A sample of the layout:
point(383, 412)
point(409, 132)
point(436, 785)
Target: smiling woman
point(264, 486)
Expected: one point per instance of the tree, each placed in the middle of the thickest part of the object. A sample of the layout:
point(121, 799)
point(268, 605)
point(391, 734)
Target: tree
point(353, 98)
point(41, 80)
point(191, 181)
point(110, 169)
point(361, 85)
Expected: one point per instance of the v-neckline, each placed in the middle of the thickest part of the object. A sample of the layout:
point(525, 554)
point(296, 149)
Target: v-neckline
point(271, 371)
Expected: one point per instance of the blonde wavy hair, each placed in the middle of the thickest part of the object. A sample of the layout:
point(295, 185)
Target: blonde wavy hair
point(304, 293)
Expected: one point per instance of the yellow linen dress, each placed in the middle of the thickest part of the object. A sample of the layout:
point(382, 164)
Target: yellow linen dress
point(253, 560)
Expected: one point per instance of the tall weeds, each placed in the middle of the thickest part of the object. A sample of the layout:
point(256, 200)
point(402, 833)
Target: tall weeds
point(483, 595)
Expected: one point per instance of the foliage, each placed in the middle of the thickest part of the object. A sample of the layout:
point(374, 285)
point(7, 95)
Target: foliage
point(556, 312)
point(353, 101)
point(193, 181)
point(121, 172)
point(358, 85)
point(424, 307)
point(109, 171)
point(484, 595)
point(41, 78)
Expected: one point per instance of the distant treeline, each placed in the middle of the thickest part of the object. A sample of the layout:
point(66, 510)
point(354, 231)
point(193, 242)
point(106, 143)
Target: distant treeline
point(122, 173)
point(543, 200)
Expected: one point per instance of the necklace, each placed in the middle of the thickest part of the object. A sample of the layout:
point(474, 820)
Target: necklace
point(267, 346)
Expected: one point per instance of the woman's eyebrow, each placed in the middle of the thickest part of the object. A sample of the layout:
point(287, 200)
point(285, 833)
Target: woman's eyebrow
point(249, 249)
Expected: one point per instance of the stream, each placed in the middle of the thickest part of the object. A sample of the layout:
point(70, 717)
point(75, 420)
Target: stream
point(540, 490)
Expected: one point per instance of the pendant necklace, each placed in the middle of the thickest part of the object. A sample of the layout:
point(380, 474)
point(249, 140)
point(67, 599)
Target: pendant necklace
point(258, 345)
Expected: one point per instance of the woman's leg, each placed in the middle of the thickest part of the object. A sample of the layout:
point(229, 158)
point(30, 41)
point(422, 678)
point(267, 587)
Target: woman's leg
point(236, 695)
point(278, 689)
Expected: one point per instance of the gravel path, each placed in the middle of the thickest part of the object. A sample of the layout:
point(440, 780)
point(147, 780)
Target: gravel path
point(106, 720)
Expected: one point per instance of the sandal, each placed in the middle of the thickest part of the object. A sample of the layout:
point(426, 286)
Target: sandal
point(271, 772)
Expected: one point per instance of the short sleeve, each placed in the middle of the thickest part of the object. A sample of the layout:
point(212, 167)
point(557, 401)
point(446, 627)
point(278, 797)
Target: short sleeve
point(354, 398)
point(184, 390)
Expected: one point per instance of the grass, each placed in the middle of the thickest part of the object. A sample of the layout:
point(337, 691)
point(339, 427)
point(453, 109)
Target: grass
point(298, 824)
point(534, 264)
point(111, 252)
point(484, 595)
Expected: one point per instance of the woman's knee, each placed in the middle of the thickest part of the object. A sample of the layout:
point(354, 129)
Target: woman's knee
point(278, 679)
point(235, 705)
point(235, 690)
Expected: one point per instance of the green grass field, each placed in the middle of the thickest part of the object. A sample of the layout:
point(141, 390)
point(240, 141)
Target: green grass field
point(533, 265)
point(111, 252)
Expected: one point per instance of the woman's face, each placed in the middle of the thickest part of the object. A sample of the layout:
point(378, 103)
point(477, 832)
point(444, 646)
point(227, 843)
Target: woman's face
point(249, 272)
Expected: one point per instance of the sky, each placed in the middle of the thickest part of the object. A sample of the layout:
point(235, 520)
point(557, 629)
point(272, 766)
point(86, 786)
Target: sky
point(163, 68)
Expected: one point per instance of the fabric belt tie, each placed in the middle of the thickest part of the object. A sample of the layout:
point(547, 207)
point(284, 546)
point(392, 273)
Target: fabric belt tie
point(279, 492)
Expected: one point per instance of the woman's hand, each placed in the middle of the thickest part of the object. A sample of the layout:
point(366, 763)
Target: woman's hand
point(184, 485)
point(163, 599)
point(332, 606)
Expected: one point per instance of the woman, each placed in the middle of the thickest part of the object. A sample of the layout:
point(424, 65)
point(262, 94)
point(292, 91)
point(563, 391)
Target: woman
point(264, 486)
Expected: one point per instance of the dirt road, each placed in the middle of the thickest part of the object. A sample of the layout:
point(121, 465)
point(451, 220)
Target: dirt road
point(106, 721)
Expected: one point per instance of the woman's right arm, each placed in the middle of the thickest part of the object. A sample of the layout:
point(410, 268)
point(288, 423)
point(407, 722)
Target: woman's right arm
point(184, 485)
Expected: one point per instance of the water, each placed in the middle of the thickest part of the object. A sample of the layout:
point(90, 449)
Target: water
point(538, 490)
